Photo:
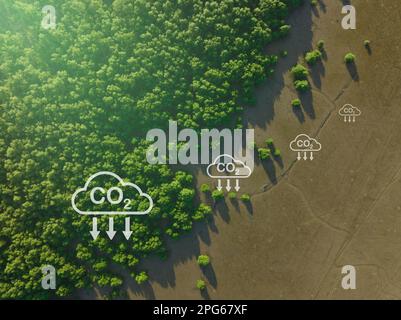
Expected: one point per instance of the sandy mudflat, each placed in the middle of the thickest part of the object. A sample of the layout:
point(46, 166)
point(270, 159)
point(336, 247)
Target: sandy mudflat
point(309, 218)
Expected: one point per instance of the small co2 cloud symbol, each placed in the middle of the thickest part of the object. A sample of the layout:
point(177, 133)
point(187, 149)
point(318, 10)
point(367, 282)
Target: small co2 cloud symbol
point(304, 143)
point(349, 112)
point(112, 197)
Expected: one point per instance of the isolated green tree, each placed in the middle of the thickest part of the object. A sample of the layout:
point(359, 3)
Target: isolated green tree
point(200, 284)
point(203, 260)
point(349, 58)
point(296, 103)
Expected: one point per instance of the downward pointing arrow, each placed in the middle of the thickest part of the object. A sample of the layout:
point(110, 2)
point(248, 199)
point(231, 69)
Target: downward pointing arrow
point(111, 233)
point(219, 187)
point(299, 156)
point(305, 156)
point(127, 232)
point(311, 155)
point(94, 233)
point(228, 187)
point(237, 187)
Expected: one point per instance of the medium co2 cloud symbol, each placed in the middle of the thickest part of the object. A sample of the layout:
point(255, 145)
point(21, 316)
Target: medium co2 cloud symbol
point(97, 195)
point(232, 168)
point(305, 143)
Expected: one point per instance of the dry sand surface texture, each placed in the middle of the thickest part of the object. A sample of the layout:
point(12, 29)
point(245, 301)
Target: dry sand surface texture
point(307, 219)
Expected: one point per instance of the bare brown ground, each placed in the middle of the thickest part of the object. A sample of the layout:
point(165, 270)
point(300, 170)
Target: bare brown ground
point(309, 218)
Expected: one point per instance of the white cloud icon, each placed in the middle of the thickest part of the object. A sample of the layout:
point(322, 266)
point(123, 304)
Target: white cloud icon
point(305, 143)
point(349, 110)
point(103, 195)
point(230, 169)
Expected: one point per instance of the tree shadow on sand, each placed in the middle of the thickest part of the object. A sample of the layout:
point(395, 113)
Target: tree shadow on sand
point(210, 275)
point(307, 103)
point(205, 294)
point(279, 161)
point(299, 113)
point(268, 166)
point(353, 71)
point(235, 203)
point(222, 208)
point(248, 206)
point(368, 48)
point(270, 169)
point(322, 6)
point(296, 44)
point(317, 72)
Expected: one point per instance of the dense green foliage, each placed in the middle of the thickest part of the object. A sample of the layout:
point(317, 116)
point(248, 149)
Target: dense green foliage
point(264, 153)
point(141, 277)
point(205, 188)
point(313, 57)
point(299, 72)
point(300, 76)
point(217, 195)
point(202, 213)
point(80, 98)
point(302, 85)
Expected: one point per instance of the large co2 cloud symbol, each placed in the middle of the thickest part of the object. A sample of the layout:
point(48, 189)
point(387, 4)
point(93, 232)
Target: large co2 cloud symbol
point(114, 197)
